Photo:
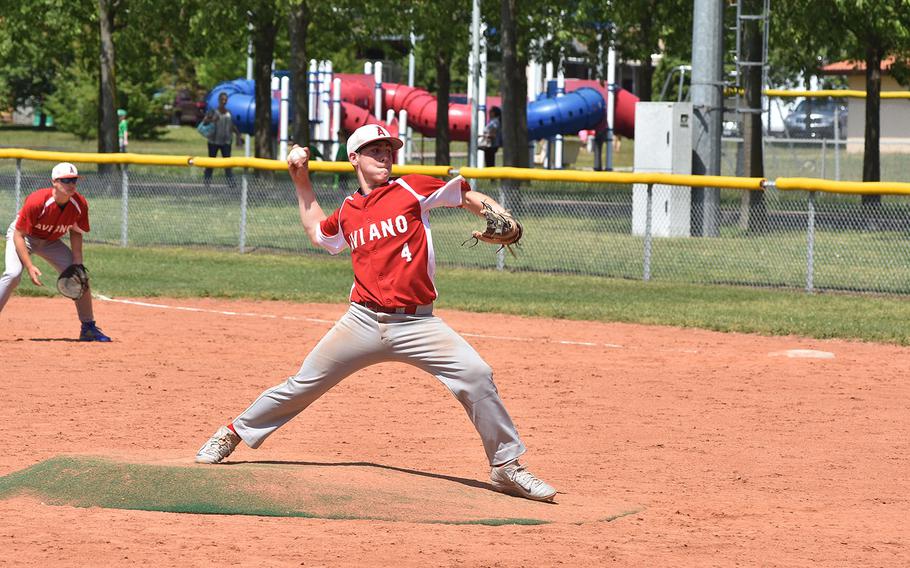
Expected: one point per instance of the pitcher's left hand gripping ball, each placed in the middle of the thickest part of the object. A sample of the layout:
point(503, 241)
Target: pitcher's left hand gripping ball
point(73, 281)
point(502, 229)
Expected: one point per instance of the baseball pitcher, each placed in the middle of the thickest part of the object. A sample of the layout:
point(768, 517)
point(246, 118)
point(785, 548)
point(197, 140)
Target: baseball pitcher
point(386, 226)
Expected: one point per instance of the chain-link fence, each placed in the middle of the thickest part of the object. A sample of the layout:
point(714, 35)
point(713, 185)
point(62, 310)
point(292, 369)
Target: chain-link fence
point(789, 239)
point(815, 157)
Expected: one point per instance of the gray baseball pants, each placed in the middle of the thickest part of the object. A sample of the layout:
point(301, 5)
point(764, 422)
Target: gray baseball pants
point(362, 338)
point(55, 252)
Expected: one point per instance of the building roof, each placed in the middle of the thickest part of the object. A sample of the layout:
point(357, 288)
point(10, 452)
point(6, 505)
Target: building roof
point(852, 67)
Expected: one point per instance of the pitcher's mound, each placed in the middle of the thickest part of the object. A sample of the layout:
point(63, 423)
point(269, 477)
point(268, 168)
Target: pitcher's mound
point(295, 489)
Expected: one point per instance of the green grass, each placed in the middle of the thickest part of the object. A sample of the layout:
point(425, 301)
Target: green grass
point(598, 246)
point(87, 482)
point(93, 482)
point(179, 140)
point(182, 273)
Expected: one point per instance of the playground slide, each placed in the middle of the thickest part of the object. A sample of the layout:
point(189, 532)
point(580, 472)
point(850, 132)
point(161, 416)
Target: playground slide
point(623, 109)
point(583, 107)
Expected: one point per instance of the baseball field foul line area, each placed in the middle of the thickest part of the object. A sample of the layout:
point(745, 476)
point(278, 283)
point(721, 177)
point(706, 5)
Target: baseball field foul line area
point(683, 446)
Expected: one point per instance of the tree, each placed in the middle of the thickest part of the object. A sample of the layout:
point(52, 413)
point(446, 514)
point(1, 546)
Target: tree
point(448, 30)
point(514, 88)
point(806, 35)
point(31, 67)
point(107, 85)
point(753, 213)
point(521, 25)
point(321, 30)
point(648, 27)
point(298, 26)
point(264, 20)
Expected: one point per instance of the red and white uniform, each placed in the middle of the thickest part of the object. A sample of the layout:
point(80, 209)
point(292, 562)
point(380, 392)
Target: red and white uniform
point(388, 232)
point(43, 222)
point(42, 218)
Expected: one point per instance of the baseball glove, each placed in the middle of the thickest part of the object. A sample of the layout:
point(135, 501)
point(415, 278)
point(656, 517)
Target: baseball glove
point(502, 229)
point(73, 282)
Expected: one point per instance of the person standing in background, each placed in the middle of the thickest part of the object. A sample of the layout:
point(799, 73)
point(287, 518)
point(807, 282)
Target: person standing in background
point(491, 139)
point(122, 129)
point(221, 137)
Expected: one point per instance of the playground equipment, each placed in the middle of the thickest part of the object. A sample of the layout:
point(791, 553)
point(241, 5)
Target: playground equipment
point(582, 106)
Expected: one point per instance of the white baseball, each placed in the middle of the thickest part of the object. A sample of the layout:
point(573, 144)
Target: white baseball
point(298, 156)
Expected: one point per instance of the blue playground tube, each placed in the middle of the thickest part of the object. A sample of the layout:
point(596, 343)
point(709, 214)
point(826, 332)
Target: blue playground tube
point(242, 104)
point(582, 109)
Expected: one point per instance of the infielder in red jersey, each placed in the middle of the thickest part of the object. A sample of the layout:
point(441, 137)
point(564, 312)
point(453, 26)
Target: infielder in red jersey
point(386, 226)
point(47, 215)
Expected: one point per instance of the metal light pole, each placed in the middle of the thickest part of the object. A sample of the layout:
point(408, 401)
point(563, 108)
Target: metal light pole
point(707, 106)
point(474, 73)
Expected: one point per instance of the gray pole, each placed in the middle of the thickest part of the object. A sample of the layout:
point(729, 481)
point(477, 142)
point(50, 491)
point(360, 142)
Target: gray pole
point(244, 183)
point(475, 81)
point(810, 244)
point(707, 105)
point(18, 185)
point(124, 206)
point(646, 269)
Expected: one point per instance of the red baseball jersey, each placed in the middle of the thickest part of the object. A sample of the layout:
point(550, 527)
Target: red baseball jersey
point(42, 218)
point(388, 232)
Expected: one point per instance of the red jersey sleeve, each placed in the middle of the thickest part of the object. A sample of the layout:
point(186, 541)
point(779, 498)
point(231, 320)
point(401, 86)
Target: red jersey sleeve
point(81, 223)
point(330, 236)
point(25, 221)
point(433, 192)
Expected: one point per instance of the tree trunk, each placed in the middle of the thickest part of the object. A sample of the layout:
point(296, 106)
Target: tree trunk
point(107, 101)
point(645, 71)
point(300, 112)
point(443, 86)
point(264, 31)
point(753, 212)
point(871, 157)
point(514, 86)
point(645, 77)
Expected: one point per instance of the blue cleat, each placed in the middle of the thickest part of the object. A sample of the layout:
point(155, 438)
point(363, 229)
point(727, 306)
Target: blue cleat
point(90, 332)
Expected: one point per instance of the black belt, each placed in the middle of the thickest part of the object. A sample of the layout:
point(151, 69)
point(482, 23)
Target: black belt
point(397, 310)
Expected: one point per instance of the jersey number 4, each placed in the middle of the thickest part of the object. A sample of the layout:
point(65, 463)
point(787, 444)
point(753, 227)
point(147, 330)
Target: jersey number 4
point(406, 253)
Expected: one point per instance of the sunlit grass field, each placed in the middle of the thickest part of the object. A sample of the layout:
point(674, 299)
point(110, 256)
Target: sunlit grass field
point(191, 272)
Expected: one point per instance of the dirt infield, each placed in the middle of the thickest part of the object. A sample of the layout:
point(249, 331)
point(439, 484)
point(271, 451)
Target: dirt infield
point(669, 446)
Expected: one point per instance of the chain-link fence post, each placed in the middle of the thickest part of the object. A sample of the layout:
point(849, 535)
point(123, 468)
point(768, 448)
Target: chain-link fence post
point(836, 157)
point(18, 182)
point(810, 244)
point(646, 269)
point(244, 194)
point(836, 141)
point(124, 205)
point(824, 155)
point(501, 255)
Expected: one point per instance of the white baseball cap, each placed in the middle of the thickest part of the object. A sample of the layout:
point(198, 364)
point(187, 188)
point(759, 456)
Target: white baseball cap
point(370, 133)
point(64, 170)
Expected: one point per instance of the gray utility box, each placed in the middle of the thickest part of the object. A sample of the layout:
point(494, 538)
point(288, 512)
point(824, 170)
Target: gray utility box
point(663, 143)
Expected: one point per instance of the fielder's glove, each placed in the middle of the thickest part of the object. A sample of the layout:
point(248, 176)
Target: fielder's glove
point(502, 229)
point(73, 282)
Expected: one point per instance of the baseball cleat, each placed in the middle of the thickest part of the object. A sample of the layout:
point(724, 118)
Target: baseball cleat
point(514, 479)
point(91, 332)
point(219, 446)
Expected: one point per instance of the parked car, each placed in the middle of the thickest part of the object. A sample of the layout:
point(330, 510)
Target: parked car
point(188, 108)
point(814, 118)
